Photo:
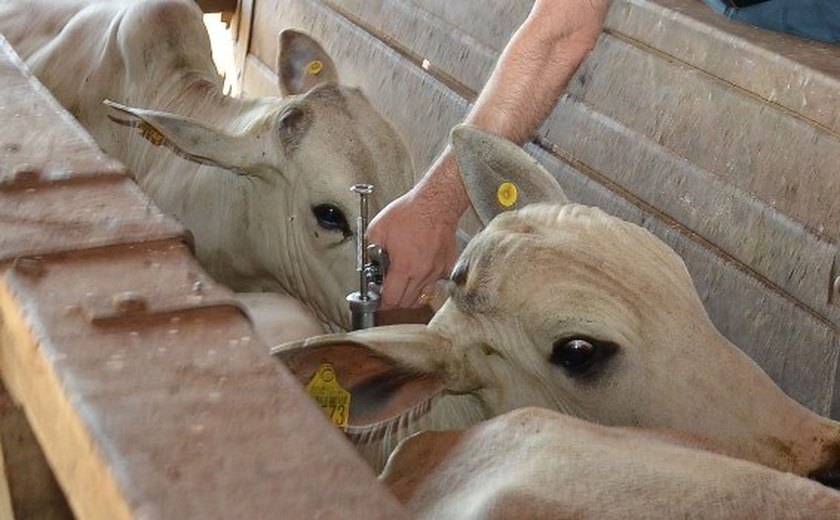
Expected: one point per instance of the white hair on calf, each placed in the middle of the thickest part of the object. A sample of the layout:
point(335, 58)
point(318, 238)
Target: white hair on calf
point(535, 463)
point(262, 184)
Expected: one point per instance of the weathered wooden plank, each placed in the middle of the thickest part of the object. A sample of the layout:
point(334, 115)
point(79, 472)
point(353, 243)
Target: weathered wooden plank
point(72, 215)
point(217, 6)
point(490, 23)
point(449, 37)
point(22, 157)
point(762, 62)
point(242, 29)
point(96, 493)
point(432, 42)
point(180, 414)
point(797, 346)
point(33, 492)
point(5, 494)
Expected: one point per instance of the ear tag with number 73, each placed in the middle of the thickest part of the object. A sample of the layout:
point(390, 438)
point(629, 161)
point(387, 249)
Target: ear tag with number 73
point(333, 400)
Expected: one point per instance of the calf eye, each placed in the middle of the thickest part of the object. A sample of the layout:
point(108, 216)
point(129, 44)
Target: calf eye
point(576, 355)
point(331, 218)
point(459, 273)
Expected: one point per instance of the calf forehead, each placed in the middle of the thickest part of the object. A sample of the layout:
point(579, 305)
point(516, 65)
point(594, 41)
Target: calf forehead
point(351, 135)
point(534, 253)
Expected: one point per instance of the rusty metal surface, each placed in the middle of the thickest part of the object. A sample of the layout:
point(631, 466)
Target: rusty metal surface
point(140, 377)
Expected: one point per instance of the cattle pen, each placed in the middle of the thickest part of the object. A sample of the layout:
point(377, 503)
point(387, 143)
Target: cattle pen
point(136, 387)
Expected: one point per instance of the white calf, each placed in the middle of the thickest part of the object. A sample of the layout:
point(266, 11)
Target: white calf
point(263, 184)
point(534, 463)
point(565, 307)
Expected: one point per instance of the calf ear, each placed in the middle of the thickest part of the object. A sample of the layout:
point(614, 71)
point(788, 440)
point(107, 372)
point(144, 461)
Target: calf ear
point(190, 139)
point(499, 175)
point(388, 371)
point(302, 63)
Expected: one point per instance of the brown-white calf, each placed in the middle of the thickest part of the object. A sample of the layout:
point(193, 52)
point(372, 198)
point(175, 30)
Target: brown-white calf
point(535, 463)
point(565, 307)
point(263, 184)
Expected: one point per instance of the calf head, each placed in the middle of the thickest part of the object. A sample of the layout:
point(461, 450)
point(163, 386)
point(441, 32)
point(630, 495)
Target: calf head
point(566, 307)
point(281, 216)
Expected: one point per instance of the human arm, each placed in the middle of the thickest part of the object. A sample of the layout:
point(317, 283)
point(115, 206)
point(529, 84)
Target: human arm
point(418, 229)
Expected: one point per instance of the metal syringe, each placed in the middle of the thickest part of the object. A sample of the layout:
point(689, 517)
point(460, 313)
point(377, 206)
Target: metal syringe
point(364, 303)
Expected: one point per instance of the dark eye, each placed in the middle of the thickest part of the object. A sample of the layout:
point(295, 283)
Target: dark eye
point(576, 355)
point(331, 218)
point(459, 273)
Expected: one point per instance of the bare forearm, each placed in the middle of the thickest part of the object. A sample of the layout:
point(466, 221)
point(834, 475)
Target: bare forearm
point(418, 229)
point(536, 67)
point(533, 70)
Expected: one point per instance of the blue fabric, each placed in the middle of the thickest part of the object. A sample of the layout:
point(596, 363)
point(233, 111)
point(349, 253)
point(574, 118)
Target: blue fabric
point(814, 19)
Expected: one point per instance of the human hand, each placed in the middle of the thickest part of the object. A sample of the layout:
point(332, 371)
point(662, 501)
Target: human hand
point(418, 232)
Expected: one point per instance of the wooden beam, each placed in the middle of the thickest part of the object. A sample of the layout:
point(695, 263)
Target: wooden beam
point(31, 380)
point(29, 483)
point(217, 6)
point(5, 495)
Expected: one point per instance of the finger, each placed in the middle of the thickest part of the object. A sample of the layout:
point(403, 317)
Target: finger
point(393, 288)
point(429, 291)
point(411, 295)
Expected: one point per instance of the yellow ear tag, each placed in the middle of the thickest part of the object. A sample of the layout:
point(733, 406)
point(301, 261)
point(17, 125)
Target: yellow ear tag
point(334, 400)
point(314, 68)
point(507, 194)
point(151, 134)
